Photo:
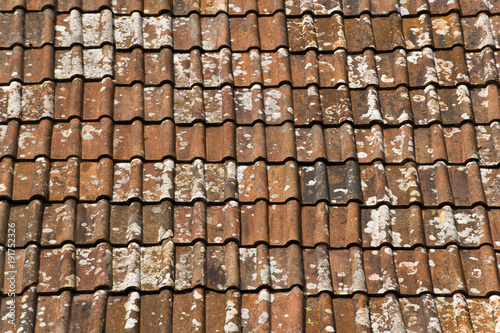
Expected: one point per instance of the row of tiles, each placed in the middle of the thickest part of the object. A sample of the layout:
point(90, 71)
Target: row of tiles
point(447, 68)
point(248, 224)
point(374, 184)
point(263, 7)
point(243, 312)
point(302, 106)
point(220, 267)
point(247, 144)
point(233, 311)
point(266, 33)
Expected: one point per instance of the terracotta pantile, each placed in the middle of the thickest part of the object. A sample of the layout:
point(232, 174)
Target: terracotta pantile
point(447, 31)
point(340, 218)
point(278, 143)
point(375, 184)
point(38, 28)
point(399, 144)
point(314, 183)
point(484, 103)
point(322, 33)
point(96, 179)
point(456, 145)
point(393, 65)
point(129, 66)
point(418, 31)
point(380, 271)
point(16, 281)
point(29, 4)
point(370, 144)
point(268, 68)
point(128, 141)
point(487, 144)
point(66, 139)
point(383, 27)
point(96, 139)
point(187, 32)
point(159, 67)
point(416, 7)
point(206, 105)
point(150, 103)
point(471, 7)
point(482, 66)
point(212, 182)
point(255, 224)
point(460, 185)
point(335, 105)
point(362, 70)
point(27, 141)
point(451, 67)
point(366, 105)
point(215, 224)
point(310, 143)
point(464, 227)
point(301, 33)
point(360, 33)
point(431, 144)
point(89, 63)
point(395, 105)
point(215, 32)
point(127, 6)
point(373, 6)
point(308, 106)
point(321, 7)
point(30, 179)
point(398, 227)
point(88, 100)
point(91, 29)
point(244, 32)
point(27, 65)
point(491, 179)
point(272, 32)
point(139, 267)
point(12, 22)
point(122, 109)
point(63, 182)
point(208, 69)
point(347, 187)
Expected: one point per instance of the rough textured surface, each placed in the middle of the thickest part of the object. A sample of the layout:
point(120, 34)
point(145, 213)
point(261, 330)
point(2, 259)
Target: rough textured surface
point(250, 165)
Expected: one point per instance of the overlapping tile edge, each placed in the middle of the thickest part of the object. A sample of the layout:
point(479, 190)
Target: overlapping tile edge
point(218, 198)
